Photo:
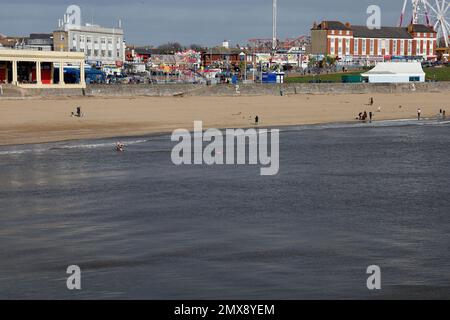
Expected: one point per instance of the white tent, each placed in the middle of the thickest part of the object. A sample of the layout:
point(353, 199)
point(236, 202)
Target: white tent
point(396, 72)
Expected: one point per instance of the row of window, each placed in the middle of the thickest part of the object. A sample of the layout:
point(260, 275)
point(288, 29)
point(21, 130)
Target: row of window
point(419, 34)
point(422, 47)
point(340, 32)
point(102, 53)
point(88, 39)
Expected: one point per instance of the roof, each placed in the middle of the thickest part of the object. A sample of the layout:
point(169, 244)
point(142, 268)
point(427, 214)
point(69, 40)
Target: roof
point(41, 36)
point(383, 32)
point(224, 51)
point(331, 25)
point(396, 68)
point(422, 28)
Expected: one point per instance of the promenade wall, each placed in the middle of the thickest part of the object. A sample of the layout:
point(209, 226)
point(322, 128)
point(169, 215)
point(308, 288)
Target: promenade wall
point(180, 90)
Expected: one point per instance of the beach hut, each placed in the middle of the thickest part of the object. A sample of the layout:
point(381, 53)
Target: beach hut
point(396, 72)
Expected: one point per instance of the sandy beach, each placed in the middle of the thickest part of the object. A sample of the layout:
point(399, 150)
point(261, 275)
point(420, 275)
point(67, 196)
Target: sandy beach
point(48, 120)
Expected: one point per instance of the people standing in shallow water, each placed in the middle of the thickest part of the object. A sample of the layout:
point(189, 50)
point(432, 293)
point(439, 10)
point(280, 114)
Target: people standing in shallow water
point(419, 114)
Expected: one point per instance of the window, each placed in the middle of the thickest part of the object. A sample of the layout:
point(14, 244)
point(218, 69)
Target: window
point(333, 46)
point(372, 46)
point(103, 53)
point(82, 39)
point(409, 47)
point(388, 47)
point(340, 31)
point(340, 47)
point(394, 48)
point(103, 40)
point(110, 40)
point(89, 52)
point(356, 47)
point(414, 79)
point(402, 47)
point(110, 53)
point(89, 39)
point(364, 48)
point(95, 52)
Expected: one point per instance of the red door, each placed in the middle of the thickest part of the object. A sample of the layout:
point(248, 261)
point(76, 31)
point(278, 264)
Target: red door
point(2, 75)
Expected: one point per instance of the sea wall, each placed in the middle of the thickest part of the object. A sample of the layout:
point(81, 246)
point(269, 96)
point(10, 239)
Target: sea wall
point(170, 90)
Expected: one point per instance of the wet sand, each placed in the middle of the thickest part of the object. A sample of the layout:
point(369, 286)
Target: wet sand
point(48, 120)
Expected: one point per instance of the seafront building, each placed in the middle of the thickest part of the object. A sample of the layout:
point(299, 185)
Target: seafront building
point(36, 69)
point(359, 44)
point(101, 46)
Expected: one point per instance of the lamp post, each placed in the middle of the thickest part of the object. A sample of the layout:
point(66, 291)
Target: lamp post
point(244, 56)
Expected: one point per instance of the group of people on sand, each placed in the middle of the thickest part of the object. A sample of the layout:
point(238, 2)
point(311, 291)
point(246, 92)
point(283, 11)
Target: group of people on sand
point(362, 116)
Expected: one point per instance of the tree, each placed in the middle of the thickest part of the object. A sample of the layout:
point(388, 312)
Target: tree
point(170, 48)
point(197, 47)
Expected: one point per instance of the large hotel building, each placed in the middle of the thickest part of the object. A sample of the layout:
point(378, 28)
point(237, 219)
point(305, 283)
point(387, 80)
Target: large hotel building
point(361, 44)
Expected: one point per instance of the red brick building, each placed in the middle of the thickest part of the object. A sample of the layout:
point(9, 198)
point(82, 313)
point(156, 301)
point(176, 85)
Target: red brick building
point(333, 38)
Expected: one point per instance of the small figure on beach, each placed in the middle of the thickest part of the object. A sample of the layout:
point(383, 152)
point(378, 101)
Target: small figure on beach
point(256, 120)
point(359, 116)
point(371, 101)
point(77, 113)
point(379, 109)
point(419, 113)
point(364, 117)
point(370, 116)
point(443, 114)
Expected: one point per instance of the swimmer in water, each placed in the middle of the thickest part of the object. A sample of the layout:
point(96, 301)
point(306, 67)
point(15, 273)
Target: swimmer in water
point(120, 146)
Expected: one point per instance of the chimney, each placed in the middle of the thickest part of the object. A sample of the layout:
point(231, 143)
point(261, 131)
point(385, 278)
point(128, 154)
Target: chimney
point(348, 25)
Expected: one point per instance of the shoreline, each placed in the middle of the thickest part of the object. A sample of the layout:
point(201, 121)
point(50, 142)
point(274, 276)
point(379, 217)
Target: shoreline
point(282, 128)
point(26, 122)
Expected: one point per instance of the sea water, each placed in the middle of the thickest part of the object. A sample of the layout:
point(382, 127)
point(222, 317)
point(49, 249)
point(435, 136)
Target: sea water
point(347, 196)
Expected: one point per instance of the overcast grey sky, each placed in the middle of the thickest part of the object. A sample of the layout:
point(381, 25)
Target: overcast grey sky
point(206, 22)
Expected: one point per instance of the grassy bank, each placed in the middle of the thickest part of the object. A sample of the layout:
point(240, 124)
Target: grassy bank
point(438, 74)
point(334, 77)
point(434, 74)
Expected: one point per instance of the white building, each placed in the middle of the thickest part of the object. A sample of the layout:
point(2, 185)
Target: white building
point(102, 46)
point(396, 72)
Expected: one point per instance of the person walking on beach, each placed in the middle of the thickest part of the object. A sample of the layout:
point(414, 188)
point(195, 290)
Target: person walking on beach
point(371, 101)
point(256, 120)
point(370, 116)
point(419, 114)
point(443, 114)
point(79, 112)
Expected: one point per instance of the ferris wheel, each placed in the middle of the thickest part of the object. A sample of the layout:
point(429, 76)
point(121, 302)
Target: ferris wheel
point(433, 13)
